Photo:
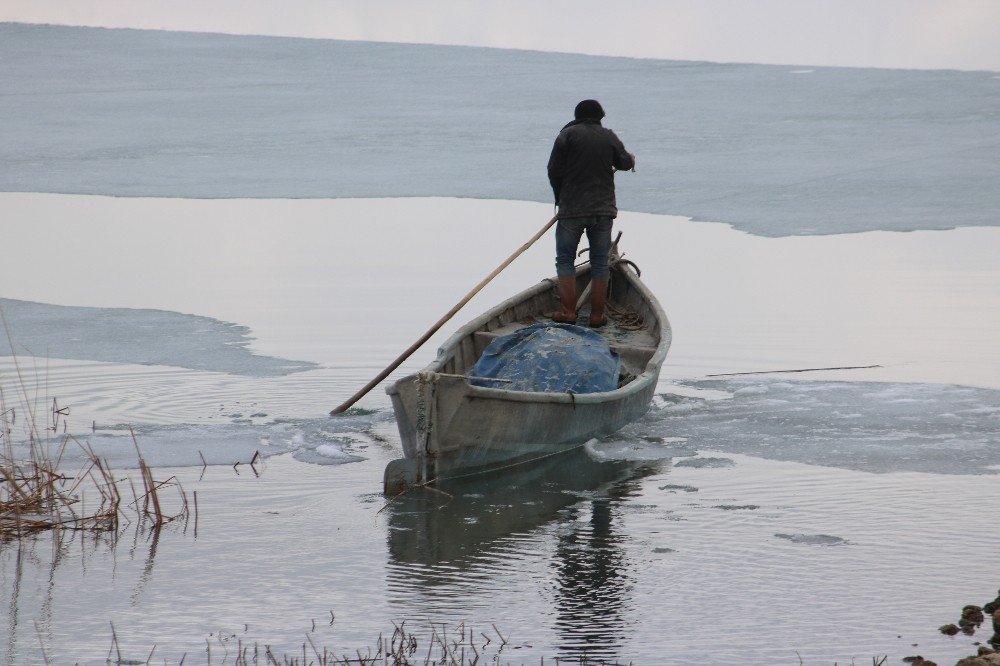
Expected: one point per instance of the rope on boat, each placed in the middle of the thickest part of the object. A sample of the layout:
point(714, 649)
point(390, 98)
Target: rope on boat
point(626, 318)
point(426, 407)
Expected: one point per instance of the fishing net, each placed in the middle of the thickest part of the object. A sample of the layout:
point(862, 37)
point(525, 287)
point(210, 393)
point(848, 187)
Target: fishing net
point(549, 358)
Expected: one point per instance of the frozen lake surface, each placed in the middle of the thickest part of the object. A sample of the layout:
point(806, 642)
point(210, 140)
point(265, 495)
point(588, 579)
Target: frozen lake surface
point(218, 289)
point(143, 336)
point(772, 150)
point(831, 514)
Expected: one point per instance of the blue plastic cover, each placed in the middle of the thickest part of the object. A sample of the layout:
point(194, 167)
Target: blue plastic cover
point(549, 358)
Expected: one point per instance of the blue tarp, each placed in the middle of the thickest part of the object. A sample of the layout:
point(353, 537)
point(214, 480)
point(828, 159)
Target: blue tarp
point(549, 358)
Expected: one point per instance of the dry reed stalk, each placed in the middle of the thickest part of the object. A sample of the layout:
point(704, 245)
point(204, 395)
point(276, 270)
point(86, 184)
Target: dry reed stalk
point(114, 645)
point(399, 649)
point(41, 643)
point(36, 496)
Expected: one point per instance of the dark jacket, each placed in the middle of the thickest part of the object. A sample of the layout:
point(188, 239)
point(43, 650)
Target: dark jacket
point(581, 169)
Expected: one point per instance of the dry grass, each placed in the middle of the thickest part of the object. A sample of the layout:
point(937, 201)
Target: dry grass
point(459, 646)
point(37, 494)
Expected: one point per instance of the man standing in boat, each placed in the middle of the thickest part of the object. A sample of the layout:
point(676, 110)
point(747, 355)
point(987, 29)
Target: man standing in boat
point(582, 174)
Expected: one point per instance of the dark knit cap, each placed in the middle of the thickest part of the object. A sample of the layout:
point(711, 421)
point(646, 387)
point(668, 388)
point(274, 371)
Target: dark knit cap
point(589, 108)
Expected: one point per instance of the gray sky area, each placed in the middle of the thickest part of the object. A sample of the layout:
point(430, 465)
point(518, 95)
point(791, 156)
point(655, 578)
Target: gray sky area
point(921, 34)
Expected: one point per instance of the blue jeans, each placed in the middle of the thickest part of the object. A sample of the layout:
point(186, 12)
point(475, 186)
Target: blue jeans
point(568, 233)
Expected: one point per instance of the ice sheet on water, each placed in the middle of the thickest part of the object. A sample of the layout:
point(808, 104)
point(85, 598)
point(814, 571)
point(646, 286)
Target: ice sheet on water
point(814, 539)
point(873, 427)
point(675, 487)
point(326, 454)
point(771, 150)
point(188, 445)
point(639, 449)
point(141, 336)
point(705, 462)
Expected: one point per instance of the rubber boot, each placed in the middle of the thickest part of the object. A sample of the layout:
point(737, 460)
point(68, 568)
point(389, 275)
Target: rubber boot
point(567, 296)
point(598, 299)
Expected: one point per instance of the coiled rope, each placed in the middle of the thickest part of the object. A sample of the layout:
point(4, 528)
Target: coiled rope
point(625, 317)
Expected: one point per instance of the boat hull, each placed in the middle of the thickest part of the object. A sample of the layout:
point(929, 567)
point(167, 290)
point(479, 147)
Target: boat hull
point(475, 431)
point(450, 428)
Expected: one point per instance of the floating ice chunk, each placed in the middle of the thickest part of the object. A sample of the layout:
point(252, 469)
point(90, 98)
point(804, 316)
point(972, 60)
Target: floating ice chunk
point(814, 539)
point(315, 457)
point(648, 449)
point(672, 392)
point(330, 451)
point(705, 462)
point(752, 390)
point(591, 447)
point(336, 454)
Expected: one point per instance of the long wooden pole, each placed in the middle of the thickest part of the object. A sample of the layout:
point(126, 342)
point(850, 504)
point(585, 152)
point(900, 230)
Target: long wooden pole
point(441, 322)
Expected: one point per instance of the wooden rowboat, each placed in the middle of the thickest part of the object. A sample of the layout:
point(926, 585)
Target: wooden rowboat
point(450, 428)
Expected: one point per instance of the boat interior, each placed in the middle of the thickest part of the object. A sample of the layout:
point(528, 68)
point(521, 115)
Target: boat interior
point(633, 329)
